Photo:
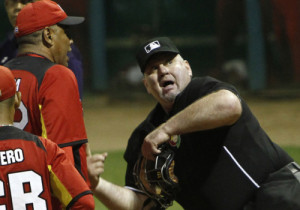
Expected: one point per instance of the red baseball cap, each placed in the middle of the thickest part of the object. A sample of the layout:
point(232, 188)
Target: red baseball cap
point(7, 83)
point(40, 14)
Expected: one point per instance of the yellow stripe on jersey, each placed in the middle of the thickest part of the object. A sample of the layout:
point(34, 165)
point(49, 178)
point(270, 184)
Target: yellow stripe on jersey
point(58, 189)
point(44, 131)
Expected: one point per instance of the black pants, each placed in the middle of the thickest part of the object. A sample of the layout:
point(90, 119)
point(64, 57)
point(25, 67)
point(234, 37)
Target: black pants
point(280, 191)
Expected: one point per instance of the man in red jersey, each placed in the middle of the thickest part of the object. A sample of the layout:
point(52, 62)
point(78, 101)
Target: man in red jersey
point(33, 167)
point(9, 46)
point(50, 105)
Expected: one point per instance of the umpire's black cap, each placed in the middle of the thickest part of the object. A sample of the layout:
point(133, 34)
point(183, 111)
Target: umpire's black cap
point(154, 46)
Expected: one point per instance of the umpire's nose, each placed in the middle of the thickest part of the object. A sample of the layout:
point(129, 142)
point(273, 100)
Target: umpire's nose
point(162, 69)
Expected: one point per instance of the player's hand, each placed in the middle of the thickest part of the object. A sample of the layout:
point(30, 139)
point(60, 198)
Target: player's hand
point(95, 166)
point(152, 141)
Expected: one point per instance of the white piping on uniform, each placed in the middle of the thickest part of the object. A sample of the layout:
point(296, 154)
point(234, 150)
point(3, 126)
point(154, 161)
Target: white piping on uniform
point(236, 162)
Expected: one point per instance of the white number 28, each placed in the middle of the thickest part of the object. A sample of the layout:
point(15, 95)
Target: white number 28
point(19, 197)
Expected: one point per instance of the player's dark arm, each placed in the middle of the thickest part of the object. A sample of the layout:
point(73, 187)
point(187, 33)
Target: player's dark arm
point(221, 108)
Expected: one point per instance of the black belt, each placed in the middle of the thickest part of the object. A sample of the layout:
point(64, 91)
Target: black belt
point(295, 169)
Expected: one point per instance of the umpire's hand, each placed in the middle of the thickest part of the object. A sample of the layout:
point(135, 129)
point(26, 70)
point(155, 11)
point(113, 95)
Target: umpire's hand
point(95, 165)
point(153, 140)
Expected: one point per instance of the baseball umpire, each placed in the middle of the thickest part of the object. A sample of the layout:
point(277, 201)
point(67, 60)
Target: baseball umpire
point(201, 146)
point(25, 182)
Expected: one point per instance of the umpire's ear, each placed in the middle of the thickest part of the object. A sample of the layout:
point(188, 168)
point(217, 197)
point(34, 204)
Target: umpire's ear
point(17, 99)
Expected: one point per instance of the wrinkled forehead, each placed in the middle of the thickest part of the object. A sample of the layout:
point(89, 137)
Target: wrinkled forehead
point(161, 57)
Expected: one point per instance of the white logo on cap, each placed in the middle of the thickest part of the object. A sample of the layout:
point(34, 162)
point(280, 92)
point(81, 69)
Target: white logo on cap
point(151, 46)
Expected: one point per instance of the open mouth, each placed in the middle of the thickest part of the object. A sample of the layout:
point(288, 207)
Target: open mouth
point(166, 83)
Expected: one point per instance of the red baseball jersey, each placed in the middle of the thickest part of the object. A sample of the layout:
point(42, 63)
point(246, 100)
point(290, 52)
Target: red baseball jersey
point(50, 106)
point(32, 168)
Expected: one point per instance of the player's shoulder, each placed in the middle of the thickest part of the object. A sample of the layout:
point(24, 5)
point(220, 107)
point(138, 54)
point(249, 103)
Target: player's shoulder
point(60, 71)
point(35, 66)
point(11, 133)
point(206, 80)
point(58, 80)
point(47, 143)
point(199, 86)
point(29, 63)
point(207, 85)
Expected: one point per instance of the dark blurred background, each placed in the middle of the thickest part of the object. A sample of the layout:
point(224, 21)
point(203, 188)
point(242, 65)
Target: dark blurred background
point(232, 40)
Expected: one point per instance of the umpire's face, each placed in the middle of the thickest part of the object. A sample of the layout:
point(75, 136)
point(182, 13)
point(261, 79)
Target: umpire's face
point(165, 76)
point(13, 7)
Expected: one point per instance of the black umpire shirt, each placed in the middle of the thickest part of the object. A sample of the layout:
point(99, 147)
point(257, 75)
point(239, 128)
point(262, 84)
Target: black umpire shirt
point(219, 168)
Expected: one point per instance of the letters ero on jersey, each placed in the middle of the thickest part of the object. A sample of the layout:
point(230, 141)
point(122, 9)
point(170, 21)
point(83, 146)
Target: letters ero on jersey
point(8, 157)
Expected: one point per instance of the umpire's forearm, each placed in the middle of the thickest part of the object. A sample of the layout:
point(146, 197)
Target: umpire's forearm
point(117, 197)
point(221, 108)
